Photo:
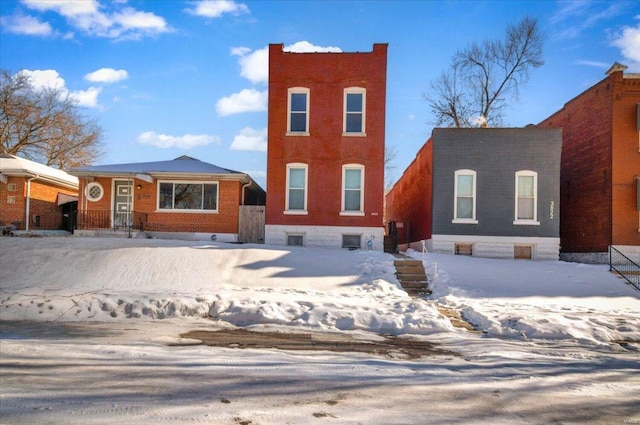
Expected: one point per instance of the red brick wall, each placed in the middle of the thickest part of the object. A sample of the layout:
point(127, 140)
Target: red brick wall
point(43, 197)
point(599, 160)
point(585, 170)
point(626, 160)
point(145, 201)
point(326, 150)
point(410, 198)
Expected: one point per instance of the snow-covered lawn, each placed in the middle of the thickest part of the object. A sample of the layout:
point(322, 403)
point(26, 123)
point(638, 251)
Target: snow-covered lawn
point(556, 342)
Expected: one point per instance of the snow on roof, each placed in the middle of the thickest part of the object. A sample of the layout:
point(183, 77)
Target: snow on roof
point(180, 165)
point(11, 165)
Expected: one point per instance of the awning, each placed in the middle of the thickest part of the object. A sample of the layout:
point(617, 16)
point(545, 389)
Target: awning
point(63, 198)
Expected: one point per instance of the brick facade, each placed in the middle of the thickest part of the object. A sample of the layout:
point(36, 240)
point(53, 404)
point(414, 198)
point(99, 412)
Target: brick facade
point(43, 209)
point(145, 200)
point(409, 201)
point(600, 161)
point(326, 148)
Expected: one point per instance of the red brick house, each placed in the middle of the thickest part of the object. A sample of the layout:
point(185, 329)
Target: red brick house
point(183, 197)
point(325, 156)
point(34, 196)
point(600, 168)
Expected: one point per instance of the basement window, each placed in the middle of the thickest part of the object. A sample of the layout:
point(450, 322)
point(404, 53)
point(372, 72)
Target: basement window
point(351, 241)
point(295, 240)
point(464, 249)
point(523, 252)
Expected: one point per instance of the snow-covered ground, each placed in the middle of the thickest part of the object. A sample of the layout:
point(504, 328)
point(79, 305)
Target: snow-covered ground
point(556, 342)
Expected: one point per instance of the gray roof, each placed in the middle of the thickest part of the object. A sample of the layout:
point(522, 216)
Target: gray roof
point(181, 165)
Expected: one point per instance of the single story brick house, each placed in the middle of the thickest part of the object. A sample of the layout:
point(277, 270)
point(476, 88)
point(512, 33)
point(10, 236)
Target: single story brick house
point(34, 196)
point(486, 192)
point(184, 197)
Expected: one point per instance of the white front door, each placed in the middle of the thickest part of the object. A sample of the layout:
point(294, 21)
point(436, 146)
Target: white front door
point(122, 203)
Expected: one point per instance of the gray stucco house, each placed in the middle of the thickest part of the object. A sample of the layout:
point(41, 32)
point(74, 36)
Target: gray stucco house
point(488, 192)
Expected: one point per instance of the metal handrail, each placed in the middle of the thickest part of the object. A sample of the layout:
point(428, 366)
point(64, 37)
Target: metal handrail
point(624, 266)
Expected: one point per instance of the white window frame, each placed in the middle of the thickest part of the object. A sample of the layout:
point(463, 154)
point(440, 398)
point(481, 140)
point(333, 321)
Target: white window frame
point(89, 187)
point(522, 221)
point(473, 219)
point(298, 90)
point(344, 190)
point(363, 130)
point(187, 211)
point(297, 165)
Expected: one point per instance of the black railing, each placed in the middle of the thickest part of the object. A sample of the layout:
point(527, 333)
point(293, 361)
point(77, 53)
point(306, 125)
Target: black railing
point(106, 219)
point(624, 266)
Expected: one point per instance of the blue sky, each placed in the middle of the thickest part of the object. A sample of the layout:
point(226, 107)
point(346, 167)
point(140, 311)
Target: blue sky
point(170, 78)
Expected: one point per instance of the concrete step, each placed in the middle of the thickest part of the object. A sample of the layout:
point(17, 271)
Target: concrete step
point(415, 285)
point(411, 277)
point(410, 269)
point(407, 263)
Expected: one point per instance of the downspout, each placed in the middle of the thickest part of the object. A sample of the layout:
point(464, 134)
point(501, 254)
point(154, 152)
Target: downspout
point(244, 186)
point(28, 203)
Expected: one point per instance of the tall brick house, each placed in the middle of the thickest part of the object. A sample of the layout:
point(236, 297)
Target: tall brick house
point(34, 196)
point(325, 156)
point(183, 197)
point(600, 171)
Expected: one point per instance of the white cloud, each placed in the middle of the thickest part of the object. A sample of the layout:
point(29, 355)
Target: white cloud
point(248, 100)
point(25, 25)
point(250, 140)
point(628, 42)
point(216, 8)
point(106, 75)
point(87, 98)
point(254, 65)
point(306, 47)
point(88, 17)
point(186, 141)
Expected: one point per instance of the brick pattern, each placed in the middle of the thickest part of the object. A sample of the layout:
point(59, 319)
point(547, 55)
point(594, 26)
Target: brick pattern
point(43, 197)
point(409, 200)
point(145, 203)
point(326, 150)
point(599, 161)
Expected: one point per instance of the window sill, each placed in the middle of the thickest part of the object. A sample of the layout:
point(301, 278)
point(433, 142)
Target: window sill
point(301, 133)
point(294, 212)
point(354, 134)
point(464, 221)
point(526, 223)
point(352, 213)
point(188, 211)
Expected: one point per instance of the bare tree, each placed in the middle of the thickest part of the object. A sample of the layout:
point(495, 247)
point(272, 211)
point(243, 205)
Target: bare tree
point(44, 125)
point(390, 154)
point(483, 78)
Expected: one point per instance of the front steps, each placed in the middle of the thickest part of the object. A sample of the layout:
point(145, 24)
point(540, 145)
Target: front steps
point(412, 277)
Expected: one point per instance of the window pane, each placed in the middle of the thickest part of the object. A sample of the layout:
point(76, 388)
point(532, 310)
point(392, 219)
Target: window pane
point(210, 196)
point(352, 179)
point(354, 123)
point(298, 122)
point(525, 186)
point(354, 102)
point(352, 200)
point(465, 185)
point(296, 178)
point(525, 208)
point(299, 102)
point(296, 199)
point(187, 197)
point(166, 196)
point(465, 208)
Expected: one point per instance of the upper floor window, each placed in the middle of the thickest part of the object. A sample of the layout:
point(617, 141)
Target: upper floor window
point(296, 196)
point(354, 110)
point(298, 110)
point(526, 202)
point(464, 207)
point(187, 196)
point(352, 189)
